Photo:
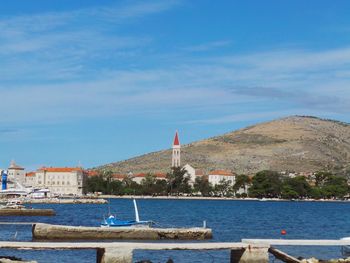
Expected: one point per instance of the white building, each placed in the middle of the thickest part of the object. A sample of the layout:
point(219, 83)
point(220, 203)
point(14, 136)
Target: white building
point(16, 174)
point(176, 156)
point(60, 180)
point(29, 179)
point(215, 177)
point(139, 177)
point(192, 173)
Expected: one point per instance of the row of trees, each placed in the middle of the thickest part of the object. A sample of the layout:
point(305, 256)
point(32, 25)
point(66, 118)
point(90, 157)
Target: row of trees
point(175, 183)
point(265, 184)
point(272, 185)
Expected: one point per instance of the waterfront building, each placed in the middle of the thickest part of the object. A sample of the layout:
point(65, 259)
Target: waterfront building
point(160, 176)
point(176, 155)
point(139, 177)
point(192, 173)
point(215, 177)
point(16, 174)
point(61, 180)
point(29, 179)
point(118, 177)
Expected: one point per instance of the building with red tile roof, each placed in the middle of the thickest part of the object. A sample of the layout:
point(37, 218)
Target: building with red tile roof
point(176, 155)
point(61, 180)
point(216, 176)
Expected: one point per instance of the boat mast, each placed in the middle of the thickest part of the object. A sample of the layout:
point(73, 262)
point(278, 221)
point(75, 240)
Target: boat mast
point(137, 218)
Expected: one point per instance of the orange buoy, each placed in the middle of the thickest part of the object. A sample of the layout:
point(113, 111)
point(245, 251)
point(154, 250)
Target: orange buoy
point(283, 232)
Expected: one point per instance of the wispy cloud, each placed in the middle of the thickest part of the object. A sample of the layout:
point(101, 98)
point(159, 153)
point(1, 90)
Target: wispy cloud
point(67, 45)
point(61, 66)
point(208, 46)
point(213, 86)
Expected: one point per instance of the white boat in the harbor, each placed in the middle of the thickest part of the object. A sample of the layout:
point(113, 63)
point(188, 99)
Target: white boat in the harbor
point(113, 221)
point(13, 204)
point(345, 250)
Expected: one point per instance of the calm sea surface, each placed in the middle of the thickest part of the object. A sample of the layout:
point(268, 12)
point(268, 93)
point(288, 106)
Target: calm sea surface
point(230, 221)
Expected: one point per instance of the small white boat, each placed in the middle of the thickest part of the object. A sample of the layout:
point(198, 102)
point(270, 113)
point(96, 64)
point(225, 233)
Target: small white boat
point(13, 204)
point(112, 221)
point(345, 250)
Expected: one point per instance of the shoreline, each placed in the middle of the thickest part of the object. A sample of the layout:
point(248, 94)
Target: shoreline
point(103, 199)
point(216, 198)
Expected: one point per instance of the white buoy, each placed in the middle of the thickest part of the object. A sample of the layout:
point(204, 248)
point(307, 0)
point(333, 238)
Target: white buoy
point(204, 224)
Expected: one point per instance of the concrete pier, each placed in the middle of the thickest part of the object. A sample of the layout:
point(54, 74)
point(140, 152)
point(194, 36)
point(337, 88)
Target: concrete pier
point(122, 252)
point(116, 255)
point(26, 212)
point(42, 231)
point(67, 201)
point(251, 254)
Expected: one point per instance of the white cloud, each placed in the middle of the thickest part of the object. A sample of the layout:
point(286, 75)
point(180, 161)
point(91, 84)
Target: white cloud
point(94, 75)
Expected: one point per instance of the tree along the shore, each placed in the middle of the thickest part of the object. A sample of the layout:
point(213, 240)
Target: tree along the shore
point(265, 184)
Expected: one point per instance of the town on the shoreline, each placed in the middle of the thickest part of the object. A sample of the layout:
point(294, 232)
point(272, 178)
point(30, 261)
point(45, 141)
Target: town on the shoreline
point(179, 181)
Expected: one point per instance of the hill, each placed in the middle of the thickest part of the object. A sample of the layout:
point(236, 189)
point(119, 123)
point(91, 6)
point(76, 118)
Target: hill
point(297, 143)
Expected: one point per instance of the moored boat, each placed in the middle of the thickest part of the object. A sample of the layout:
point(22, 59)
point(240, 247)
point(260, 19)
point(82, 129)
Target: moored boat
point(113, 221)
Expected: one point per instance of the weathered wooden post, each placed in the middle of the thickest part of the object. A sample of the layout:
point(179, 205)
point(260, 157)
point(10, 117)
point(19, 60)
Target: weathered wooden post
point(251, 254)
point(114, 255)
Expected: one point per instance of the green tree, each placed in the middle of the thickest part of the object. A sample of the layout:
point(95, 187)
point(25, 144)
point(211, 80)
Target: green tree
point(296, 187)
point(202, 185)
point(178, 181)
point(266, 184)
point(316, 192)
point(335, 186)
point(321, 177)
point(116, 187)
point(148, 184)
point(161, 187)
point(223, 188)
point(288, 192)
point(242, 181)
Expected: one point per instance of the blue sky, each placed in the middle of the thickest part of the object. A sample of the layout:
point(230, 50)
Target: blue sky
point(94, 81)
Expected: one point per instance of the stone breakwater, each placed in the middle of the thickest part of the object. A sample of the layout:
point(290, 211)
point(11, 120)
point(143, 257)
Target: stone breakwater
point(42, 231)
point(27, 212)
point(66, 201)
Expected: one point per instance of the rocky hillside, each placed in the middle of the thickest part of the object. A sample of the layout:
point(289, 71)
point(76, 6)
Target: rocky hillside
point(301, 144)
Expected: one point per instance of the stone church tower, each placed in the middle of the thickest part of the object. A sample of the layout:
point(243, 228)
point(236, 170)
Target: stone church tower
point(175, 161)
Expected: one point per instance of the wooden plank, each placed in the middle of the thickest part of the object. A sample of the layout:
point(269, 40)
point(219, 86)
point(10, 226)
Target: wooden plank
point(297, 242)
point(283, 256)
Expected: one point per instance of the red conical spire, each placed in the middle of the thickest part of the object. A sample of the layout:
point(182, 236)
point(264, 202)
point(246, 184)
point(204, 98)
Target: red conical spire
point(176, 139)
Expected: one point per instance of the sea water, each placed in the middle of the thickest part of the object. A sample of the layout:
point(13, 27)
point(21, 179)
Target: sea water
point(230, 221)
